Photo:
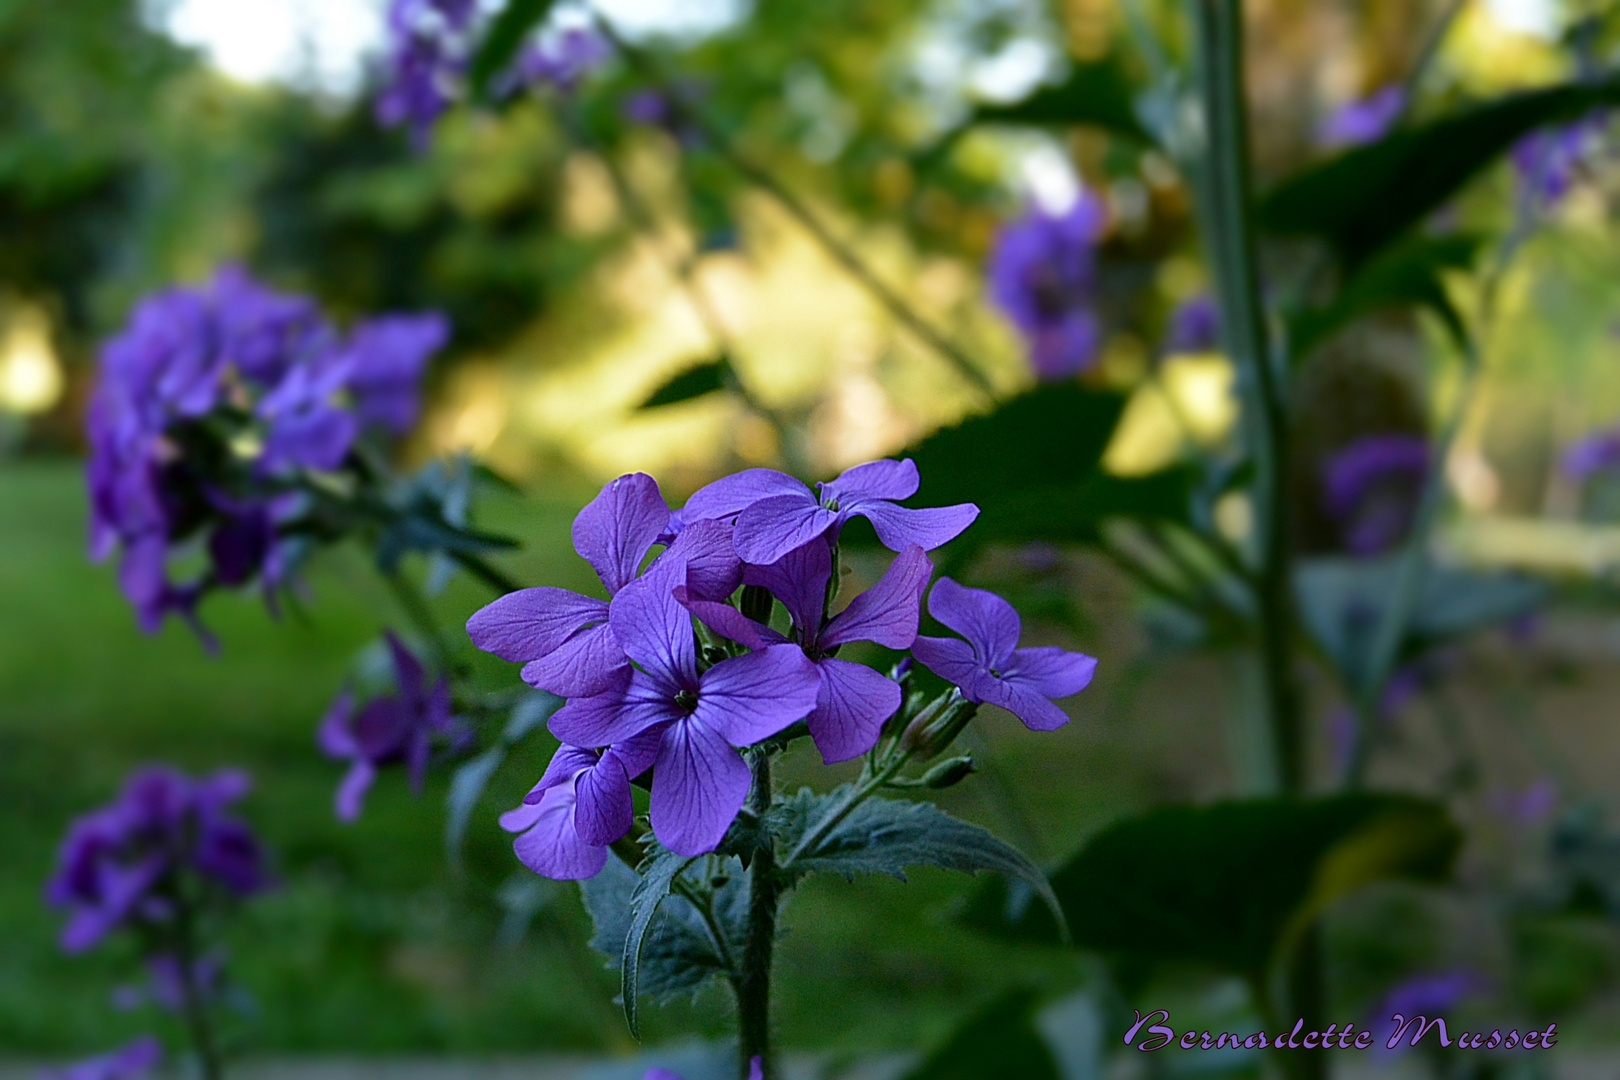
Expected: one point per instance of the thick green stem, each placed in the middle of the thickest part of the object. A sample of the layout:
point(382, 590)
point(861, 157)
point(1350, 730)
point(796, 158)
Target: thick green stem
point(193, 1006)
point(1222, 180)
point(753, 981)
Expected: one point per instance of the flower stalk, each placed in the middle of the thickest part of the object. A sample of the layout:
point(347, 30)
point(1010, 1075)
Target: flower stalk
point(753, 981)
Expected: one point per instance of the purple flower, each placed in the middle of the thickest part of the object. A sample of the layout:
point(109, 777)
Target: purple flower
point(699, 779)
point(649, 108)
point(133, 1060)
point(853, 701)
point(1428, 995)
point(1043, 274)
point(1372, 488)
point(398, 727)
point(756, 1071)
point(989, 666)
point(1527, 807)
point(121, 864)
point(387, 358)
point(1364, 121)
point(775, 513)
point(561, 637)
point(1194, 326)
point(428, 47)
point(564, 58)
point(1592, 455)
point(1548, 161)
point(580, 806)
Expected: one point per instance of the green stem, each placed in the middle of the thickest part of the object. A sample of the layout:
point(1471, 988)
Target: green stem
point(1221, 173)
point(193, 1008)
point(800, 211)
point(753, 982)
point(420, 613)
point(479, 568)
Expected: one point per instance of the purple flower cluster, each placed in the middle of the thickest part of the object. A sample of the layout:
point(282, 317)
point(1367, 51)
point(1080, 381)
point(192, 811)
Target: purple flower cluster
point(1043, 274)
point(1372, 488)
point(649, 688)
point(1549, 160)
point(1363, 121)
point(133, 863)
point(208, 401)
point(1194, 326)
point(564, 58)
point(397, 727)
point(429, 43)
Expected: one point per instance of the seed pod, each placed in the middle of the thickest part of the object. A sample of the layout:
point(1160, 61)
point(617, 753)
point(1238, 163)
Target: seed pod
point(949, 773)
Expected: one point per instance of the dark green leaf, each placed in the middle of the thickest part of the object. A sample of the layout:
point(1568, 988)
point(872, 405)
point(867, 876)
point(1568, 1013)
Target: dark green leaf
point(1368, 196)
point(1341, 601)
point(885, 836)
point(467, 785)
point(692, 383)
point(1099, 94)
point(649, 893)
point(503, 40)
point(1410, 274)
point(998, 1042)
point(1229, 886)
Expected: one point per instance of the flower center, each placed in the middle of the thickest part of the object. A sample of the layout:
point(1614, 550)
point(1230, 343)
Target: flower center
point(687, 700)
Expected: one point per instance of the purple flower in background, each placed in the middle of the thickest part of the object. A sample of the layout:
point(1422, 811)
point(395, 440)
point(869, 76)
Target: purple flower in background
point(1592, 455)
point(647, 107)
point(1429, 995)
point(1364, 121)
point(989, 666)
point(387, 358)
point(854, 700)
point(1372, 488)
point(136, 1059)
point(756, 1071)
point(1043, 274)
point(428, 47)
point(1547, 161)
point(775, 513)
point(699, 779)
point(1528, 807)
point(397, 727)
point(1194, 326)
point(121, 864)
point(580, 806)
point(563, 58)
point(562, 637)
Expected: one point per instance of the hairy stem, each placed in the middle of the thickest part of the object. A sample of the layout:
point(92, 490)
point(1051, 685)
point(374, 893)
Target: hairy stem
point(753, 982)
point(1222, 180)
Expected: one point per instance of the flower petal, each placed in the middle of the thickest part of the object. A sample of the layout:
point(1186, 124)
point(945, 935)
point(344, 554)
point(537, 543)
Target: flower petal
point(1051, 672)
point(752, 697)
point(883, 479)
point(799, 580)
point(728, 622)
point(988, 622)
point(699, 784)
point(1037, 713)
point(529, 623)
point(407, 668)
point(898, 526)
point(771, 528)
point(951, 659)
point(522, 817)
point(888, 612)
point(613, 717)
point(568, 762)
point(729, 496)
point(637, 753)
point(713, 570)
point(653, 628)
point(351, 793)
point(335, 736)
point(604, 811)
point(590, 662)
point(553, 847)
point(616, 529)
point(853, 703)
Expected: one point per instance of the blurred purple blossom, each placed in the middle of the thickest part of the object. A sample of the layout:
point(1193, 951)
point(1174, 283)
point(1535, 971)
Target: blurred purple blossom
point(125, 864)
point(1364, 121)
point(1043, 274)
point(989, 666)
point(1372, 488)
point(563, 58)
point(1594, 454)
point(1548, 161)
point(1194, 326)
point(1429, 995)
point(128, 1062)
point(428, 46)
point(1528, 807)
point(650, 108)
point(390, 728)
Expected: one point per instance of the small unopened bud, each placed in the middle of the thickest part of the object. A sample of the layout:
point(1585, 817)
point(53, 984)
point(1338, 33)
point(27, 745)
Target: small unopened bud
point(938, 725)
point(901, 672)
point(949, 773)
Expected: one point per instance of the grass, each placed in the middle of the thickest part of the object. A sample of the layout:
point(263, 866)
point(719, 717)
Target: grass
point(372, 944)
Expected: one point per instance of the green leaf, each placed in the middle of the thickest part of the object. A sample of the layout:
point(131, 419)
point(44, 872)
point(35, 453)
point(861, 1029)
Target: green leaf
point(1369, 195)
point(1033, 466)
point(1099, 94)
point(998, 1042)
point(467, 785)
point(886, 836)
point(1409, 274)
point(649, 893)
point(706, 378)
point(1341, 602)
point(503, 40)
point(1229, 886)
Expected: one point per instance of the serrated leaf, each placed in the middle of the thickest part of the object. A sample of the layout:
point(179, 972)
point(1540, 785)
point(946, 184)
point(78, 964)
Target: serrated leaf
point(997, 1042)
point(1099, 94)
point(886, 836)
point(1409, 274)
point(467, 786)
point(1369, 195)
point(649, 893)
point(1229, 886)
point(706, 378)
point(503, 40)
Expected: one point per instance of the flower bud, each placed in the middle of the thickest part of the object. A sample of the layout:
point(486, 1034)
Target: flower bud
point(938, 725)
point(949, 773)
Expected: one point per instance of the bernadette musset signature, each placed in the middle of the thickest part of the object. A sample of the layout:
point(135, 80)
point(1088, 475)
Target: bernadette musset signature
point(1157, 1034)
